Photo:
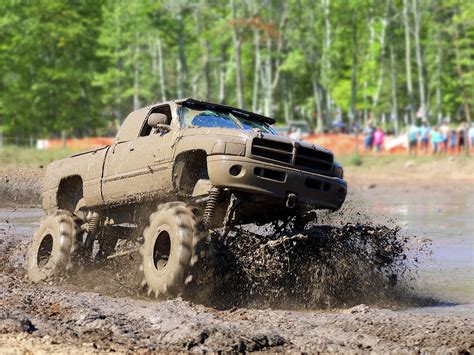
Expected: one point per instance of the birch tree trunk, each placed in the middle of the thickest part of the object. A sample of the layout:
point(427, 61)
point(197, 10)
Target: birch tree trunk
point(408, 61)
point(326, 59)
point(460, 73)
point(271, 78)
point(419, 59)
point(353, 115)
point(439, 59)
point(236, 38)
point(382, 56)
point(222, 74)
point(207, 71)
point(393, 80)
point(136, 75)
point(317, 99)
point(256, 76)
point(161, 70)
point(182, 66)
point(267, 77)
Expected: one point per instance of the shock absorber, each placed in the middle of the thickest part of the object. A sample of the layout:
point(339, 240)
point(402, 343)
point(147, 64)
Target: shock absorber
point(91, 227)
point(93, 223)
point(211, 205)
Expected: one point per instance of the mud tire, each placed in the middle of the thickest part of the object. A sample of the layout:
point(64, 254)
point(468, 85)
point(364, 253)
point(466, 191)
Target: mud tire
point(177, 230)
point(54, 242)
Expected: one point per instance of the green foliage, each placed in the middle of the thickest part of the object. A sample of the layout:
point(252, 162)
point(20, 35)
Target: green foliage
point(76, 67)
point(47, 64)
point(16, 156)
point(355, 160)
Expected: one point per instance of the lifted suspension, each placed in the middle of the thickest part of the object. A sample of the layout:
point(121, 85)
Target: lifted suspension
point(211, 205)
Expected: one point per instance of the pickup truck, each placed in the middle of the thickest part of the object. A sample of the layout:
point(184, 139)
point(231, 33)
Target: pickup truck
point(176, 170)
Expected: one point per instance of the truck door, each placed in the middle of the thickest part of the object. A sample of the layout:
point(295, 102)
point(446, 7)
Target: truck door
point(139, 168)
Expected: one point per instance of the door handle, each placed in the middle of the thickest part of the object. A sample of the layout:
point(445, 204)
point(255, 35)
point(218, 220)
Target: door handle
point(131, 147)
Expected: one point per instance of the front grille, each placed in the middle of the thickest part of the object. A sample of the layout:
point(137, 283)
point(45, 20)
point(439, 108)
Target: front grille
point(273, 150)
point(300, 157)
point(313, 159)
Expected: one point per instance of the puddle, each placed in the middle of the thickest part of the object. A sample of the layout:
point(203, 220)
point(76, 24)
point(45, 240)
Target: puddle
point(446, 216)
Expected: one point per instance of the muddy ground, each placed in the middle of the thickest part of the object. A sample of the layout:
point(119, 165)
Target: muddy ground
point(110, 314)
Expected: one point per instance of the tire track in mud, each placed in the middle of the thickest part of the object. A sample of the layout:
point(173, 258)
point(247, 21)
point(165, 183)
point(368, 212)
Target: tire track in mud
point(101, 309)
point(105, 323)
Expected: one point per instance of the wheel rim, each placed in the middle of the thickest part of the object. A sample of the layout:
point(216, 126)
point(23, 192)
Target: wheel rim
point(45, 250)
point(161, 250)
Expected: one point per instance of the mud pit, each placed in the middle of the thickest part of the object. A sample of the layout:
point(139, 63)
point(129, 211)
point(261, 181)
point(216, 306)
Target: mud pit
point(111, 314)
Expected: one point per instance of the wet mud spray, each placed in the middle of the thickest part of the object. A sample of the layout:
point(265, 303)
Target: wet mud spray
point(323, 266)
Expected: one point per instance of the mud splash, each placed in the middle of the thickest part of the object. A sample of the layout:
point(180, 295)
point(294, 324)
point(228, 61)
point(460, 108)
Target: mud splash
point(322, 267)
point(325, 266)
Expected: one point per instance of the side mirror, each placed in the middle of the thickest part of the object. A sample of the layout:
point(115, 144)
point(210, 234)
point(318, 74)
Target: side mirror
point(157, 119)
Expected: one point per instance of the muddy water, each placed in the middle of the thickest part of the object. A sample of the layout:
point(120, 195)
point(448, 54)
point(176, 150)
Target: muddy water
point(446, 216)
point(443, 215)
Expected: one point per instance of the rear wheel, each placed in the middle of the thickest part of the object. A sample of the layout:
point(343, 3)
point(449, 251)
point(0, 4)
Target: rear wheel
point(53, 245)
point(173, 250)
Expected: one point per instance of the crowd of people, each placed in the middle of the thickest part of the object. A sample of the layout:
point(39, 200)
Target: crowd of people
point(439, 139)
point(373, 138)
point(443, 138)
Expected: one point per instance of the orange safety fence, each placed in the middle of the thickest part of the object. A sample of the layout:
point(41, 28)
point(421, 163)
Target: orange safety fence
point(338, 143)
point(75, 143)
point(344, 144)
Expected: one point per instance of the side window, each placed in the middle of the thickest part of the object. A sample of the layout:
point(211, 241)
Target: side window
point(165, 109)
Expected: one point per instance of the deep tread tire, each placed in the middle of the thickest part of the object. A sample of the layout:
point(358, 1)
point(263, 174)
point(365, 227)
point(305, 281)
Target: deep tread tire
point(187, 237)
point(54, 242)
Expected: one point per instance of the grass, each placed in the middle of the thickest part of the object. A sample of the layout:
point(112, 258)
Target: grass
point(20, 156)
point(401, 165)
point(388, 164)
point(395, 159)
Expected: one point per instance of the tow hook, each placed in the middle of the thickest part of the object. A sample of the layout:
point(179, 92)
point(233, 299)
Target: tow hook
point(291, 200)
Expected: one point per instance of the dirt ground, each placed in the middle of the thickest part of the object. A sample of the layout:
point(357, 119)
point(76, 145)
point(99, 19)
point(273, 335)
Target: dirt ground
point(72, 318)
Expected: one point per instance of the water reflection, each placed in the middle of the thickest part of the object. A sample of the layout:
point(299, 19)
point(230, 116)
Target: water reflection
point(444, 215)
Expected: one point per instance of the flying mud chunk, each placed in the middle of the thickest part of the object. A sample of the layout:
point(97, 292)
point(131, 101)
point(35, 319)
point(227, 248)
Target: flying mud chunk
point(322, 267)
point(176, 172)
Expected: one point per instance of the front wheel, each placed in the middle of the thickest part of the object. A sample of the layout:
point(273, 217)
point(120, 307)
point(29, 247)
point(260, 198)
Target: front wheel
point(173, 250)
point(53, 245)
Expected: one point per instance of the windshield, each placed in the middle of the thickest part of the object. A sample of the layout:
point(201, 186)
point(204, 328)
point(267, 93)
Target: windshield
point(210, 118)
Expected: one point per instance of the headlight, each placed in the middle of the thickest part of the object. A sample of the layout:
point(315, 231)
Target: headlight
point(229, 148)
point(338, 171)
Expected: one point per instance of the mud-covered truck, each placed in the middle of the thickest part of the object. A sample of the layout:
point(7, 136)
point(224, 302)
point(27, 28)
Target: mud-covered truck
point(175, 171)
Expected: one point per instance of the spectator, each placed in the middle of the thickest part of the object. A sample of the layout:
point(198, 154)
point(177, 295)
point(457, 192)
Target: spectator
point(471, 136)
point(413, 133)
point(425, 137)
point(368, 137)
point(461, 136)
point(437, 140)
point(453, 140)
point(444, 131)
point(379, 137)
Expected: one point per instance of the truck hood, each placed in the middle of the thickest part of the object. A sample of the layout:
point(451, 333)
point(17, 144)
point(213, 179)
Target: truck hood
point(215, 133)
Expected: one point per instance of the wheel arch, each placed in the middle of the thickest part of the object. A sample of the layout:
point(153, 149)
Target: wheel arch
point(189, 167)
point(70, 191)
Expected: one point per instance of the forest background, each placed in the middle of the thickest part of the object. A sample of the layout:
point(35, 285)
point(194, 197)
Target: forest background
point(78, 67)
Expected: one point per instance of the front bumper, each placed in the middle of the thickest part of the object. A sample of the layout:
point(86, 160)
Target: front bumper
point(244, 174)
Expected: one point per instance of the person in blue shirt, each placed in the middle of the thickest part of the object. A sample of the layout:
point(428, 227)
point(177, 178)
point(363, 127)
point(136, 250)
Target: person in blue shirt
point(369, 137)
point(413, 133)
point(425, 137)
point(453, 140)
point(437, 140)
